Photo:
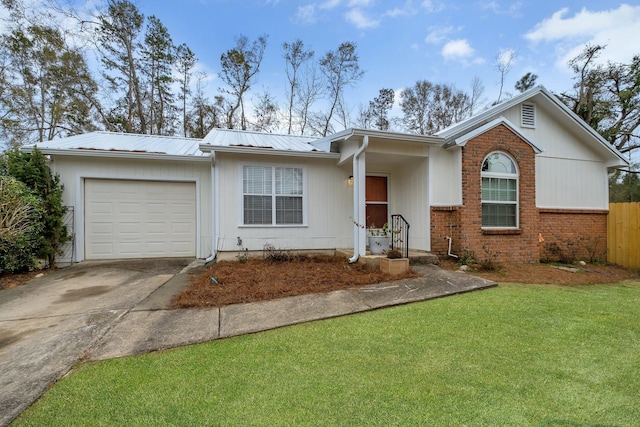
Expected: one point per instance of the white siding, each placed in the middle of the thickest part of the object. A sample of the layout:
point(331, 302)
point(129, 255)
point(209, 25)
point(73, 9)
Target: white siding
point(328, 202)
point(571, 184)
point(410, 197)
point(569, 174)
point(445, 177)
point(74, 170)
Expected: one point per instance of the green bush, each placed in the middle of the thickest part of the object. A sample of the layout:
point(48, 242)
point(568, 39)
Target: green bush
point(20, 225)
point(32, 170)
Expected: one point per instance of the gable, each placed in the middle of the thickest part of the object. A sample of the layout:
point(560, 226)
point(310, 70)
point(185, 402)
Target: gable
point(551, 124)
point(559, 140)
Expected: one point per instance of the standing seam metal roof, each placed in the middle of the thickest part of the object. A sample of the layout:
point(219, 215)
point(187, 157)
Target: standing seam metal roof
point(127, 142)
point(237, 138)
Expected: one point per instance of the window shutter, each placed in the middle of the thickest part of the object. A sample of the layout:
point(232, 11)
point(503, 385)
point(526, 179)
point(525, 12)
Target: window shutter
point(528, 115)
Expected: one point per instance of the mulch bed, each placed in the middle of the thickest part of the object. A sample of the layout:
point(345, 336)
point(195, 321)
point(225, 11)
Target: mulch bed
point(260, 280)
point(553, 274)
point(9, 280)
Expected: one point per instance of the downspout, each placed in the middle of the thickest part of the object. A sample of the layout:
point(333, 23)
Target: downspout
point(214, 252)
point(356, 199)
point(449, 250)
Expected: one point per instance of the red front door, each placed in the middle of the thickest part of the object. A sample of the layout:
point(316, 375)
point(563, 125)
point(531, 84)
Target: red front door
point(376, 200)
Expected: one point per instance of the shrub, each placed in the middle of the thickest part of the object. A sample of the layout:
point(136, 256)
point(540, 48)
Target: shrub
point(273, 255)
point(490, 261)
point(32, 170)
point(394, 254)
point(20, 225)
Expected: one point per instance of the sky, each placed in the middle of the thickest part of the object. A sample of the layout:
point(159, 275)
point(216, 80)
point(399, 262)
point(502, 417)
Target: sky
point(401, 42)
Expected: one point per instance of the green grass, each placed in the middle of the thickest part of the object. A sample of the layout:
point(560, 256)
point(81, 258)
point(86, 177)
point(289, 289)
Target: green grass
point(516, 355)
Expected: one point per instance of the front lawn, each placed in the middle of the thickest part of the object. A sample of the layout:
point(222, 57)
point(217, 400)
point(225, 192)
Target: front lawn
point(518, 355)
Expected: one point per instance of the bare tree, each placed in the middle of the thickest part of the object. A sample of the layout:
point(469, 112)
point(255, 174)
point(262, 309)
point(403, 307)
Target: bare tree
point(239, 66)
point(340, 69)
point(429, 108)
point(310, 90)
point(203, 115)
point(502, 63)
point(295, 56)
point(118, 32)
point(266, 113)
point(475, 99)
point(185, 61)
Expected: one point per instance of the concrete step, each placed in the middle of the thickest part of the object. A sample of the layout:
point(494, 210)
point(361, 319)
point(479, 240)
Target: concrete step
point(416, 257)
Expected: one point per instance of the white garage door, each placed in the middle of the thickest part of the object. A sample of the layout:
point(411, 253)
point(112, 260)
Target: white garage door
point(139, 219)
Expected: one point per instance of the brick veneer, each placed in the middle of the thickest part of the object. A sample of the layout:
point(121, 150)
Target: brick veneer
point(578, 233)
point(464, 223)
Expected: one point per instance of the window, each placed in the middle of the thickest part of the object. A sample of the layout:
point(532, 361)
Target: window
point(272, 195)
point(528, 116)
point(499, 191)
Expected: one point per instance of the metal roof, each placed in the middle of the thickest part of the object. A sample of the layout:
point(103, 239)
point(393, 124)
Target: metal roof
point(241, 138)
point(126, 143)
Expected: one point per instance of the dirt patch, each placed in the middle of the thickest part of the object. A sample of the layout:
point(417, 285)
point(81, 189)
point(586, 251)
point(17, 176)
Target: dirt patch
point(233, 282)
point(553, 274)
point(9, 280)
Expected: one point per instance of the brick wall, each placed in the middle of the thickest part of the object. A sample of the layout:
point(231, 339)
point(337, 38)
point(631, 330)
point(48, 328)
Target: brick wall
point(574, 234)
point(519, 245)
point(564, 232)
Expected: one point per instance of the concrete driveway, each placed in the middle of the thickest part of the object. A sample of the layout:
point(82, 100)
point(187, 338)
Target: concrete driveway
point(49, 324)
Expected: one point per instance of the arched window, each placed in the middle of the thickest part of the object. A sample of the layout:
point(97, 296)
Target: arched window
point(499, 191)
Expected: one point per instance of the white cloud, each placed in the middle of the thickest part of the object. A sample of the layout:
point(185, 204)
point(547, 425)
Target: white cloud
point(614, 28)
point(306, 14)
point(431, 6)
point(360, 3)
point(457, 50)
point(437, 35)
point(512, 9)
point(407, 9)
point(329, 4)
point(357, 17)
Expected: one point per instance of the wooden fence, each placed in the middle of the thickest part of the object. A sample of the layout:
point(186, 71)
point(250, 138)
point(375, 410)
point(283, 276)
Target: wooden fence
point(623, 234)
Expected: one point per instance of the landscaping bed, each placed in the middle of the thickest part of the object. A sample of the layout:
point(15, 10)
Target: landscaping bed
point(233, 282)
point(259, 280)
point(551, 273)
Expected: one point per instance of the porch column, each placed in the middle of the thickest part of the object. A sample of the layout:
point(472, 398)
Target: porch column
point(360, 193)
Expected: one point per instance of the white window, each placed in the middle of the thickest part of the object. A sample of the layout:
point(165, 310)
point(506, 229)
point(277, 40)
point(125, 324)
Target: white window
point(499, 191)
point(528, 116)
point(272, 195)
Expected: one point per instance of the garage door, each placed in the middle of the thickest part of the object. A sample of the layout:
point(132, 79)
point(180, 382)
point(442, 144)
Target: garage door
point(139, 219)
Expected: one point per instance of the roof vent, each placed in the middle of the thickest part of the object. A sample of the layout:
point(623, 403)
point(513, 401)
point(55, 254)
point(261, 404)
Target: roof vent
point(528, 118)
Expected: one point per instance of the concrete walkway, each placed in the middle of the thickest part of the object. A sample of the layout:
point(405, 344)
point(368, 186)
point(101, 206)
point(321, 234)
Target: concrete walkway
point(121, 311)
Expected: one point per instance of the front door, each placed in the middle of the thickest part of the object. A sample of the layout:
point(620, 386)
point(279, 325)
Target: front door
point(377, 202)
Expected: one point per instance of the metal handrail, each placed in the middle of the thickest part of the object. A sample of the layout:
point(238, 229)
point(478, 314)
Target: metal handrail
point(400, 234)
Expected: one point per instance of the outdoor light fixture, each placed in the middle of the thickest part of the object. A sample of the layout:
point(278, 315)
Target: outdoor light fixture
point(350, 180)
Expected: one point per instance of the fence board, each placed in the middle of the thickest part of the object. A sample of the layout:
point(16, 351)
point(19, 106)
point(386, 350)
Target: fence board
point(623, 234)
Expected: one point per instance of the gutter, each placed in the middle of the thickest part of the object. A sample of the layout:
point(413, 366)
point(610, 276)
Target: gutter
point(268, 151)
point(116, 154)
point(214, 217)
point(356, 198)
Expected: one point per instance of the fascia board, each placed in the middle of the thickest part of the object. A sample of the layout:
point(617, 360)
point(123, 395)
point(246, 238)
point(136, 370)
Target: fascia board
point(268, 152)
point(116, 154)
point(461, 141)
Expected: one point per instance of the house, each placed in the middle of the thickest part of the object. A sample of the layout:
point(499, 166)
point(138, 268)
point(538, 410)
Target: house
point(518, 182)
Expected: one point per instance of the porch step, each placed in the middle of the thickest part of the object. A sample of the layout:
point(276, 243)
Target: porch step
point(423, 257)
point(415, 257)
